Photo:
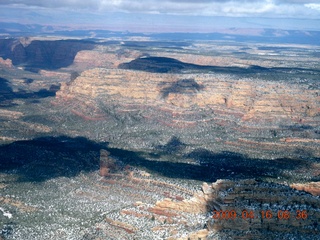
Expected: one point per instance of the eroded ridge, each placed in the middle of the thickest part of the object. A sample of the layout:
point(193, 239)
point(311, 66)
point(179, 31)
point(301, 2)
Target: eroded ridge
point(218, 110)
point(246, 209)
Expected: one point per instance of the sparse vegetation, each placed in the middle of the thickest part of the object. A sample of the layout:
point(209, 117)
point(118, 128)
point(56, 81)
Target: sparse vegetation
point(173, 118)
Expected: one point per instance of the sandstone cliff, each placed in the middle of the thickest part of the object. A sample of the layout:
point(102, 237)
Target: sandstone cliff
point(6, 63)
point(36, 54)
point(245, 209)
point(259, 114)
point(251, 209)
point(219, 115)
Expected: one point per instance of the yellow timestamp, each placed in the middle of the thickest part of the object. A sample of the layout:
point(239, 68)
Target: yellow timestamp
point(264, 214)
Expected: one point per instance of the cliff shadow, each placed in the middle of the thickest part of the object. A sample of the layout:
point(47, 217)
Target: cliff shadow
point(44, 158)
point(231, 165)
point(183, 86)
point(171, 65)
point(49, 157)
point(7, 95)
point(174, 145)
point(211, 166)
point(43, 54)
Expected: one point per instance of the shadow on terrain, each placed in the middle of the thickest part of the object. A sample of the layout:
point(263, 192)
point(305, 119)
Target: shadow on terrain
point(49, 157)
point(28, 80)
point(43, 54)
point(174, 145)
point(183, 86)
point(157, 44)
point(230, 165)
point(7, 94)
point(213, 166)
point(171, 65)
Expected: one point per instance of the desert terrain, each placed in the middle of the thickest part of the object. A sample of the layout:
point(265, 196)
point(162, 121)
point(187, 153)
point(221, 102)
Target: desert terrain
point(139, 138)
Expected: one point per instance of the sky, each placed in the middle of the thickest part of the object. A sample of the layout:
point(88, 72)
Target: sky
point(165, 15)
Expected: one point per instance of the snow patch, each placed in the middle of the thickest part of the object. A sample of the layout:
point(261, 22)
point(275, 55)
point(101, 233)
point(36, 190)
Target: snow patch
point(6, 214)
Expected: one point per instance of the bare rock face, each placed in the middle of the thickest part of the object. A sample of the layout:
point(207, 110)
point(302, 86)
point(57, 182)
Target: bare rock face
point(6, 63)
point(107, 164)
point(225, 209)
point(201, 234)
point(249, 208)
point(251, 101)
point(35, 54)
point(311, 187)
point(107, 57)
point(288, 210)
point(260, 114)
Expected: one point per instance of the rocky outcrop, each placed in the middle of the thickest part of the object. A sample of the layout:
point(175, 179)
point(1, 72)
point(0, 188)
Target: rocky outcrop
point(249, 207)
point(128, 203)
point(10, 114)
point(260, 114)
point(104, 56)
point(250, 200)
point(5, 63)
point(225, 209)
point(17, 204)
point(107, 164)
point(37, 54)
point(311, 187)
point(247, 99)
point(201, 234)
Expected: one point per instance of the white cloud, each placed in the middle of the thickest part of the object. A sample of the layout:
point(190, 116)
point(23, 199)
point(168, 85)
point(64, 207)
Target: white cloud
point(246, 8)
point(315, 6)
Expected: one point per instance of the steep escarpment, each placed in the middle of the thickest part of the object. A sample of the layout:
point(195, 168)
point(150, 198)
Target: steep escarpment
point(158, 64)
point(141, 134)
point(171, 65)
point(250, 209)
point(121, 201)
point(250, 99)
point(42, 54)
point(246, 209)
point(221, 112)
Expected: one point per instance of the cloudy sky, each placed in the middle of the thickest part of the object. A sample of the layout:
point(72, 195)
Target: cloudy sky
point(166, 15)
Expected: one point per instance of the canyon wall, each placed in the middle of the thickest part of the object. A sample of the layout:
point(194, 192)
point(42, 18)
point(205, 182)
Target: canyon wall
point(270, 115)
point(42, 54)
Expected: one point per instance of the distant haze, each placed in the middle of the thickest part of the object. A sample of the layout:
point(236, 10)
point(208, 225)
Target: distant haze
point(166, 15)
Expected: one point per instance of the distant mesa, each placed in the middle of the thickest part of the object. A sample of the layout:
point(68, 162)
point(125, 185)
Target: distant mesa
point(156, 65)
point(166, 65)
point(42, 54)
point(171, 65)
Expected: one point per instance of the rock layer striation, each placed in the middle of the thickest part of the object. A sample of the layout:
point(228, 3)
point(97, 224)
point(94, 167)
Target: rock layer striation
point(260, 114)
